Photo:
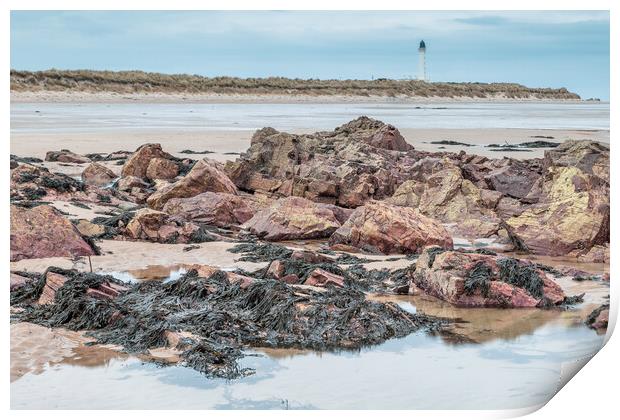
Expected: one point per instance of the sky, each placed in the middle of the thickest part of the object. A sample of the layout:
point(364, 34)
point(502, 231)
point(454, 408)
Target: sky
point(538, 49)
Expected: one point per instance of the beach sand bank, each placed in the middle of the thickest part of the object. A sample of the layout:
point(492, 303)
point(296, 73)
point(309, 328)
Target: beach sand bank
point(226, 144)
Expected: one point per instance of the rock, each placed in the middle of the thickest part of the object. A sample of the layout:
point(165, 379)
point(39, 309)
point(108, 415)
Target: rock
point(387, 137)
point(41, 232)
point(17, 281)
point(515, 179)
point(129, 182)
point(489, 198)
point(97, 174)
point(207, 271)
point(477, 280)
point(157, 226)
point(89, 229)
point(290, 279)
point(390, 229)
point(596, 254)
point(66, 156)
point(216, 209)
point(440, 191)
point(589, 157)
point(276, 269)
point(29, 182)
point(160, 168)
point(358, 161)
point(321, 278)
point(293, 218)
point(599, 318)
point(139, 161)
point(310, 257)
point(508, 207)
point(53, 282)
point(204, 176)
point(572, 214)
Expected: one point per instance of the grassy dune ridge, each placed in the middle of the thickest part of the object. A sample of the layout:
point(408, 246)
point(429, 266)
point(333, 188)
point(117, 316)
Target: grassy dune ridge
point(126, 82)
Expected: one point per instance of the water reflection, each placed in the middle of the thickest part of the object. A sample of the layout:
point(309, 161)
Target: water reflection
point(516, 362)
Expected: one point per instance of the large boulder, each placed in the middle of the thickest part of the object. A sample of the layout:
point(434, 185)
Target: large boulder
point(217, 209)
point(439, 190)
point(379, 226)
point(97, 174)
point(42, 232)
point(514, 179)
point(572, 214)
point(65, 156)
point(204, 176)
point(294, 218)
point(358, 161)
point(139, 162)
point(477, 280)
point(160, 168)
point(588, 156)
point(157, 226)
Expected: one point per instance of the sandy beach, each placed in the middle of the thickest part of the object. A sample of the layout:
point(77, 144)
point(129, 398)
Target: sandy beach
point(225, 144)
point(51, 96)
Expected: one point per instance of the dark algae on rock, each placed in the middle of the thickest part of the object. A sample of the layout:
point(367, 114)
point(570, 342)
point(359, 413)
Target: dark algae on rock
point(216, 317)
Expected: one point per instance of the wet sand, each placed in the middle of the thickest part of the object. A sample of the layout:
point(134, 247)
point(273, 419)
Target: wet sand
point(225, 144)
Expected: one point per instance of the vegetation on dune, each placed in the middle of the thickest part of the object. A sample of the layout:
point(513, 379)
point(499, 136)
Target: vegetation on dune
point(126, 82)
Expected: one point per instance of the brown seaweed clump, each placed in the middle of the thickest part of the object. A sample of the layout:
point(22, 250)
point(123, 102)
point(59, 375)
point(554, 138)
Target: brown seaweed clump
point(218, 317)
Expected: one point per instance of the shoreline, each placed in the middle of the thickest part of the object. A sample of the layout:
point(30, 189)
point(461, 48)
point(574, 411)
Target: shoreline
point(49, 96)
point(222, 142)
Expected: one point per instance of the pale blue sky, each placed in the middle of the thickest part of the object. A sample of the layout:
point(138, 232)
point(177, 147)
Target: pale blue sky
point(538, 49)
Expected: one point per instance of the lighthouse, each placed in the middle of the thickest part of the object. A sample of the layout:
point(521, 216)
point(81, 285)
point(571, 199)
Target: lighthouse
point(422, 61)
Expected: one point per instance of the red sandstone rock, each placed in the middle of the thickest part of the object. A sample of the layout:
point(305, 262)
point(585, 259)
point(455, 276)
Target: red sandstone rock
point(217, 209)
point(293, 218)
point(157, 226)
point(65, 156)
point(322, 278)
point(390, 229)
point(160, 168)
point(445, 275)
point(97, 174)
point(138, 163)
point(41, 232)
point(204, 176)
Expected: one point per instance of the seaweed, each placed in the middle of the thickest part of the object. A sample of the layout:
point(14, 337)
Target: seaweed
point(451, 143)
point(478, 278)
point(192, 152)
point(432, 254)
point(33, 194)
point(201, 235)
point(520, 274)
point(346, 259)
point(260, 252)
point(79, 204)
point(61, 183)
point(219, 318)
point(26, 159)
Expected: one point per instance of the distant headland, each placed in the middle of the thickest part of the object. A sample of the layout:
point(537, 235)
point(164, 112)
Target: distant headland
point(55, 84)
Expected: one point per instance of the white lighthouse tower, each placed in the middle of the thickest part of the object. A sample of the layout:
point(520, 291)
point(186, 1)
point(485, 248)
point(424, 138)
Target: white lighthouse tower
point(422, 62)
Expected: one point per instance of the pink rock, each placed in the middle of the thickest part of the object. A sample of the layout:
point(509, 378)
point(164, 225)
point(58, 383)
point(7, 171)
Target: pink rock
point(42, 232)
point(390, 229)
point(322, 278)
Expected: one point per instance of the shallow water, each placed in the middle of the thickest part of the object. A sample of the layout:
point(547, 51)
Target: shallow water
point(514, 359)
point(79, 117)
